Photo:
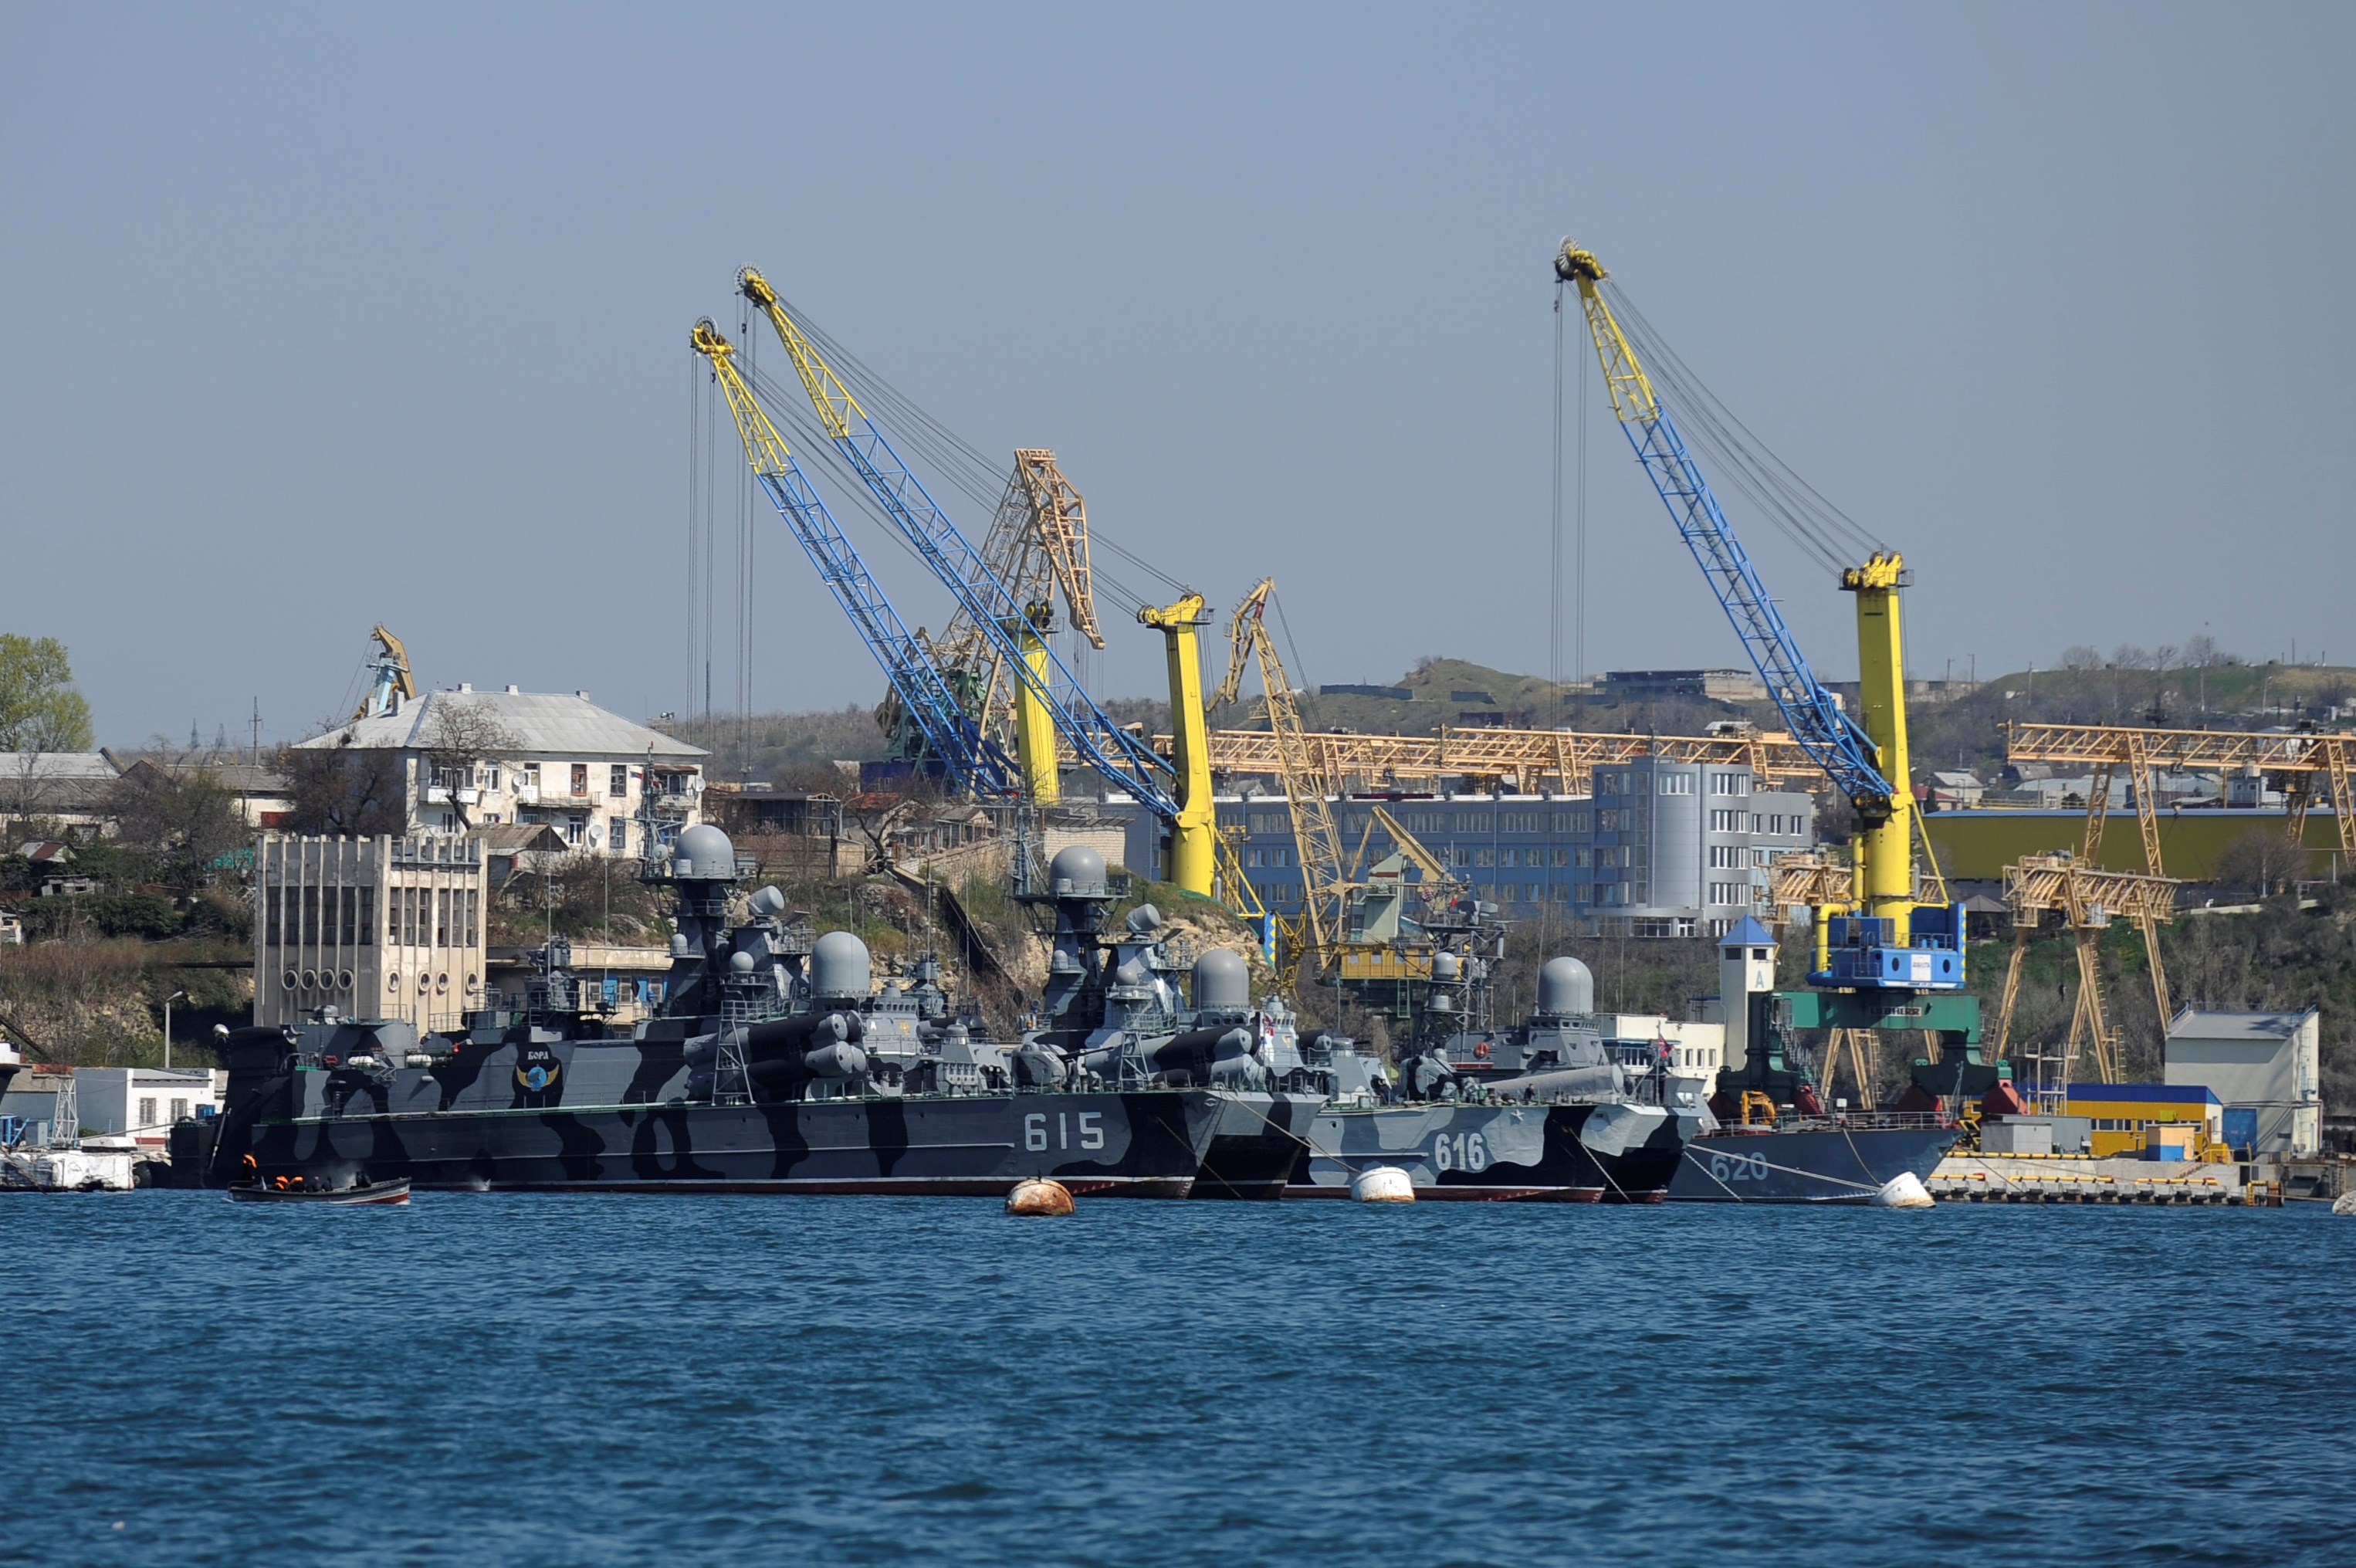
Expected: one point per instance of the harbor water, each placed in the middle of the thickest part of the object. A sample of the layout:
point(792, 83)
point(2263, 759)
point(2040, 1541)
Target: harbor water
point(520, 1379)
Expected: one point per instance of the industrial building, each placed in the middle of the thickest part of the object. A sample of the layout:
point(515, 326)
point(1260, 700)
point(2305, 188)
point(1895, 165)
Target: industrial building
point(2263, 1067)
point(2166, 1120)
point(1681, 685)
point(143, 1102)
point(1660, 848)
point(472, 759)
point(1977, 845)
point(375, 927)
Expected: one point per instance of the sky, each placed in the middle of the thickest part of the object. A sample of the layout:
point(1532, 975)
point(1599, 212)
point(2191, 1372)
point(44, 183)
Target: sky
point(319, 317)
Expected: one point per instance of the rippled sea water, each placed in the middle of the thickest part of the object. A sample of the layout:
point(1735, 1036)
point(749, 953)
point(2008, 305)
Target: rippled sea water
point(495, 1379)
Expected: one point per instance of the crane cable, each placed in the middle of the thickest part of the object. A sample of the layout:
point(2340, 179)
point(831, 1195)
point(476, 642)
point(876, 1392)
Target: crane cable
point(956, 463)
point(1788, 502)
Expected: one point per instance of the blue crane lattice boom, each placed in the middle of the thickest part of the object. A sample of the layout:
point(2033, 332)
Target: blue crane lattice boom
point(993, 608)
point(1819, 726)
point(977, 764)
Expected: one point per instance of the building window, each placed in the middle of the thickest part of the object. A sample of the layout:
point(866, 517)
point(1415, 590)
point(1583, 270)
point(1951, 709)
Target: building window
point(368, 917)
point(1583, 857)
point(1758, 857)
point(1267, 822)
point(1459, 856)
point(1676, 783)
point(532, 774)
point(490, 776)
point(1484, 857)
point(1729, 783)
point(1535, 892)
point(179, 1110)
point(1724, 893)
point(1471, 821)
point(618, 835)
point(1725, 821)
point(1727, 857)
point(573, 827)
point(1572, 821)
point(1508, 857)
point(1562, 892)
point(147, 1113)
point(581, 779)
point(618, 780)
point(1522, 822)
point(1255, 858)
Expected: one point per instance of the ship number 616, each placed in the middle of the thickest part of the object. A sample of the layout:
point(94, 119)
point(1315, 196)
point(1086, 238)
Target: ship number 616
point(1091, 1129)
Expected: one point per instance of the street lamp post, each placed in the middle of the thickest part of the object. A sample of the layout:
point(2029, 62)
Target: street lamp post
point(176, 996)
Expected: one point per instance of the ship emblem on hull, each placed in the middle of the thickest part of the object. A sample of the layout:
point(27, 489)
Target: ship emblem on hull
point(537, 1074)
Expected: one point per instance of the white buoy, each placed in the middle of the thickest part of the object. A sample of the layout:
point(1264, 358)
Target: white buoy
point(1904, 1190)
point(1382, 1184)
point(1039, 1196)
point(2344, 1203)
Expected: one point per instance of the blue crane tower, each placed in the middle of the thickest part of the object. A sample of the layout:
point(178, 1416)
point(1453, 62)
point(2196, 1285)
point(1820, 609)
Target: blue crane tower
point(1883, 962)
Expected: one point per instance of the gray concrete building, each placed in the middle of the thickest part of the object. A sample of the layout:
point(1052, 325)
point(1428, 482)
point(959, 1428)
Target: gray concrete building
point(376, 927)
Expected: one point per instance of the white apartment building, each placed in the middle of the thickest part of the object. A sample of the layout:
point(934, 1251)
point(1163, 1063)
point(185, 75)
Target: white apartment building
point(472, 760)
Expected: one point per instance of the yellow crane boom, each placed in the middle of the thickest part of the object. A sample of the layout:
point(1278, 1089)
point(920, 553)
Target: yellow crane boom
point(1317, 842)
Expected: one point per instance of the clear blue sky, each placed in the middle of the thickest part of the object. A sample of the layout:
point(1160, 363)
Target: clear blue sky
point(322, 316)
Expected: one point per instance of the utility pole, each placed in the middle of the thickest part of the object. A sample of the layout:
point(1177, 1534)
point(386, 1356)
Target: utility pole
point(176, 996)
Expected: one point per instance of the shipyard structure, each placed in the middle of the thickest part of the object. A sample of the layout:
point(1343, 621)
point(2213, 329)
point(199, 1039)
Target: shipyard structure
point(1659, 848)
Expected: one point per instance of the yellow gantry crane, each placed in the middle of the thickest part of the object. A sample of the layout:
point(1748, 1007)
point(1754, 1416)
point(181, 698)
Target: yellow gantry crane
point(2308, 764)
point(2088, 899)
point(1317, 842)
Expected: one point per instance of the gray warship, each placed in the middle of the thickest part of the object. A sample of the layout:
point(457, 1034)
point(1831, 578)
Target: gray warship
point(1537, 1111)
point(1112, 1014)
point(777, 1066)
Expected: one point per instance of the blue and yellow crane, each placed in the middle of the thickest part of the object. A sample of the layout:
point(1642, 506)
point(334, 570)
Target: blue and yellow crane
point(977, 764)
point(1052, 711)
point(1883, 947)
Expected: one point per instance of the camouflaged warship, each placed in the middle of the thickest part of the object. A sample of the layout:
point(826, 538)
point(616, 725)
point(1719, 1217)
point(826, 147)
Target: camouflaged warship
point(1538, 1111)
point(1112, 1006)
point(775, 1065)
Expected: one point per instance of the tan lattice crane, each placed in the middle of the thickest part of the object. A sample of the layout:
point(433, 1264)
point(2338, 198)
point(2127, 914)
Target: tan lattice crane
point(2308, 765)
point(2088, 899)
point(1317, 842)
point(1038, 546)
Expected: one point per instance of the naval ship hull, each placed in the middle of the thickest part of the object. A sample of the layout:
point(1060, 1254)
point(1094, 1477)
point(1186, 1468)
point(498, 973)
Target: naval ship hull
point(1260, 1140)
point(1826, 1163)
point(1546, 1154)
point(610, 1116)
point(1144, 1144)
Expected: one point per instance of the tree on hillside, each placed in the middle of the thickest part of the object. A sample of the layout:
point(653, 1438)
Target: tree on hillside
point(350, 790)
point(40, 708)
point(175, 830)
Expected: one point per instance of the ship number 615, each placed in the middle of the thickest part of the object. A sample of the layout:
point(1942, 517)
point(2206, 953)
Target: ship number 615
point(1091, 1129)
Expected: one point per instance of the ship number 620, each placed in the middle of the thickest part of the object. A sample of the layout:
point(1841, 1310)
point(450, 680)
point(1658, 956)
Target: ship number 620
point(1091, 1129)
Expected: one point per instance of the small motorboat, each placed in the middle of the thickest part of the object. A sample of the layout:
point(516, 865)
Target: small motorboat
point(298, 1191)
